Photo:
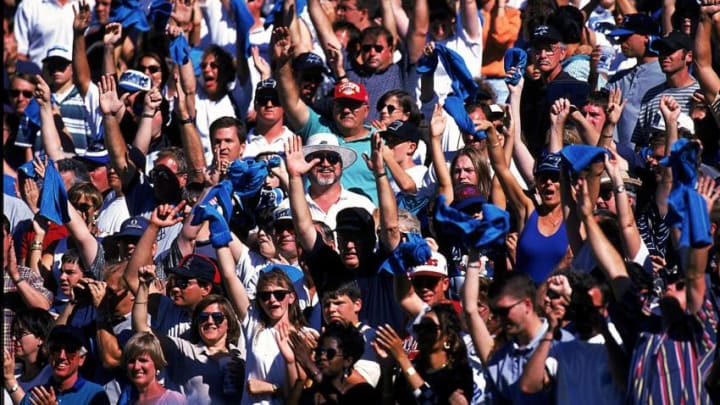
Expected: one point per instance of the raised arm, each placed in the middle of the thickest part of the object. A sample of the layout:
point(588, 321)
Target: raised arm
point(419, 27)
point(323, 27)
point(31, 289)
point(470, 20)
point(305, 233)
point(236, 290)
point(297, 112)
point(111, 107)
point(696, 259)
point(614, 110)
point(482, 340)
point(444, 181)
point(189, 137)
point(670, 110)
point(151, 105)
point(84, 239)
point(631, 235)
point(140, 305)
point(702, 52)
point(81, 67)
point(48, 130)
point(113, 35)
point(559, 112)
point(389, 232)
point(388, 20)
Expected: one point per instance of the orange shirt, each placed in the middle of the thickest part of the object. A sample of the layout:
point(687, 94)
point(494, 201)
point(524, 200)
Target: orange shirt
point(499, 34)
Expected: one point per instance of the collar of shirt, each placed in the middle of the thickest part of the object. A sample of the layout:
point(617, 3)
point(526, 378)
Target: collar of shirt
point(75, 388)
point(530, 347)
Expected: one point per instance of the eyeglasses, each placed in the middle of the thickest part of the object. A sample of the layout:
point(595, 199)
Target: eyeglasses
point(71, 352)
point(329, 353)
point(549, 49)
point(181, 283)
point(421, 282)
point(84, 207)
point(426, 327)
point(314, 77)
point(346, 8)
point(20, 333)
point(354, 106)
point(606, 193)
point(369, 47)
point(213, 65)
point(149, 68)
point(332, 157)
point(16, 93)
point(545, 176)
point(504, 311)
point(278, 294)
point(390, 108)
point(262, 101)
point(218, 317)
point(58, 65)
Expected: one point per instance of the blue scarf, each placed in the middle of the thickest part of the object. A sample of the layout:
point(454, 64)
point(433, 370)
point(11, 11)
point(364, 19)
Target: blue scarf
point(687, 209)
point(579, 157)
point(463, 85)
point(517, 58)
point(129, 13)
point(484, 234)
point(53, 196)
point(244, 21)
point(414, 252)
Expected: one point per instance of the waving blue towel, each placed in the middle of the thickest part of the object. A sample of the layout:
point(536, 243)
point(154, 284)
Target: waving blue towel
point(223, 193)
point(463, 85)
point(517, 58)
point(243, 22)
point(687, 209)
point(414, 252)
point(579, 157)
point(160, 11)
point(28, 169)
point(278, 8)
point(129, 13)
point(292, 272)
point(53, 196)
point(179, 50)
point(247, 177)
point(219, 230)
point(483, 234)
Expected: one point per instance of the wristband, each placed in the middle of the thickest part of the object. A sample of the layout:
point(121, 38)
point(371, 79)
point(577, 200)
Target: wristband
point(546, 340)
point(343, 77)
point(14, 388)
point(148, 115)
point(19, 281)
point(36, 245)
point(410, 371)
point(620, 189)
point(190, 120)
point(379, 175)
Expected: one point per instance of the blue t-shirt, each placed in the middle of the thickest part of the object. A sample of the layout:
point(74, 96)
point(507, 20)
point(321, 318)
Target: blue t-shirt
point(83, 392)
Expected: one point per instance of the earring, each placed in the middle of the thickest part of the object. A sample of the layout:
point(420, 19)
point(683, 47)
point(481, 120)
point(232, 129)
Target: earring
point(157, 372)
point(446, 345)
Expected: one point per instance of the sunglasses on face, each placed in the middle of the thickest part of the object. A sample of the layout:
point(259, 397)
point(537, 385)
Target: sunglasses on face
point(504, 311)
point(422, 282)
point(218, 317)
point(278, 294)
point(83, 207)
point(149, 68)
point(426, 327)
point(275, 101)
point(71, 351)
point(329, 353)
point(16, 93)
point(332, 157)
point(55, 66)
point(311, 77)
point(369, 47)
point(390, 108)
point(354, 106)
point(212, 65)
point(181, 283)
point(552, 176)
point(606, 193)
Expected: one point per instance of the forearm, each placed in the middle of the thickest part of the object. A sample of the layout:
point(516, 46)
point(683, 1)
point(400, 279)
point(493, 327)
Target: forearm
point(534, 376)
point(81, 67)
point(108, 348)
point(32, 297)
point(419, 27)
point(144, 132)
point(589, 134)
point(702, 58)
point(237, 294)
point(109, 59)
point(17, 396)
point(389, 223)
point(302, 219)
point(192, 146)
point(189, 87)
point(117, 149)
point(88, 245)
point(49, 133)
point(444, 181)
point(402, 179)
point(142, 255)
point(695, 277)
point(482, 340)
point(556, 137)
point(140, 310)
point(65, 314)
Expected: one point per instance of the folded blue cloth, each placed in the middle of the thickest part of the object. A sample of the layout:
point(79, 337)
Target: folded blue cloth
point(278, 8)
point(219, 230)
point(28, 170)
point(222, 192)
point(579, 157)
point(179, 50)
point(160, 11)
point(9, 185)
point(484, 234)
point(129, 13)
point(413, 252)
point(687, 209)
point(53, 196)
point(247, 177)
point(517, 58)
point(243, 22)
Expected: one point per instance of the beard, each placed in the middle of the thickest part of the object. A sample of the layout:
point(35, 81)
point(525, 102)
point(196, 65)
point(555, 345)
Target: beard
point(325, 179)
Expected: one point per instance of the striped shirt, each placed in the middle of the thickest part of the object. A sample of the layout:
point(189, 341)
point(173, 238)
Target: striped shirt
point(653, 230)
point(650, 107)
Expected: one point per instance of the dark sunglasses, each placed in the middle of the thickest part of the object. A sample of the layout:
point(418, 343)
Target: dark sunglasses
point(83, 207)
point(71, 351)
point(26, 93)
point(150, 68)
point(545, 176)
point(504, 311)
point(426, 326)
point(352, 105)
point(421, 282)
point(274, 100)
point(311, 77)
point(181, 283)
point(606, 193)
point(278, 294)
point(218, 317)
point(54, 66)
point(212, 65)
point(377, 48)
point(329, 353)
point(332, 157)
point(390, 108)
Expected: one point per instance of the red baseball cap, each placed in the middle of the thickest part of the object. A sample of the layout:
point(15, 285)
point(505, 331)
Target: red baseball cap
point(351, 91)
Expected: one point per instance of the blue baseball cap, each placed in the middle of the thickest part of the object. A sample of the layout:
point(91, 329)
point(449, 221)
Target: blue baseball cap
point(549, 163)
point(641, 24)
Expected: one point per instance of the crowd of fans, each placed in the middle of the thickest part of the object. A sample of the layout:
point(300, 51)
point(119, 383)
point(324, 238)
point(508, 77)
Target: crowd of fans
point(361, 201)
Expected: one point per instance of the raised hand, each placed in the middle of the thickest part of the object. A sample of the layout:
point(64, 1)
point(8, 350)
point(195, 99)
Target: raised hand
point(437, 122)
point(708, 8)
point(282, 337)
point(281, 46)
point(516, 90)
point(670, 109)
point(42, 396)
point(110, 103)
point(42, 91)
point(707, 188)
point(182, 11)
point(167, 214)
point(261, 65)
point(389, 341)
point(146, 274)
point(335, 59)
point(113, 33)
point(294, 159)
point(152, 101)
point(615, 106)
point(559, 111)
point(97, 291)
point(375, 161)
point(82, 16)
point(584, 204)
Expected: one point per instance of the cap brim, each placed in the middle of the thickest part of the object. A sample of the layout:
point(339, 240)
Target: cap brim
point(347, 155)
point(428, 273)
point(620, 32)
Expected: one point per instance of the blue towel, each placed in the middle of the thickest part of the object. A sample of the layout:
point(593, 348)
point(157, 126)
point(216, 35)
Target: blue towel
point(219, 230)
point(579, 157)
point(484, 234)
point(179, 50)
point(687, 209)
point(247, 177)
point(463, 85)
point(223, 193)
point(160, 11)
point(278, 8)
point(243, 22)
point(53, 196)
point(129, 13)
point(28, 170)
point(292, 272)
point(414, 252)
point(515, 57)
point(9, 186)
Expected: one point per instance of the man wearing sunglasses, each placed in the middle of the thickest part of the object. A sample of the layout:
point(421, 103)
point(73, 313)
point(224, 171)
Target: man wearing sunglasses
point(270, 132)
point(67, 353)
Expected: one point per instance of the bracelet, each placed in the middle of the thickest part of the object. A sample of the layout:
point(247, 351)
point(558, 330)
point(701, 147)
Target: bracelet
point(190, 120)
point(379, 175)
point(197, 171)
point(410, 372)
point(343, 77)
point(546, 340)
point(14, 388)
point(148, 115)
point(141, 302)
point(36, 245)
point(19, 281)
point(606, 136)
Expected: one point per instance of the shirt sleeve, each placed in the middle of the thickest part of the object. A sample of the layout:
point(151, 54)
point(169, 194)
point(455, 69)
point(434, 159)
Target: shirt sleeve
point(36, 281)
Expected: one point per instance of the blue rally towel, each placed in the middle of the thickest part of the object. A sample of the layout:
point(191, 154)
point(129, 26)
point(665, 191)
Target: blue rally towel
point(292, 272)
point(515, 57)
point(53, 196)
point(223, 193)
point(129, 13)
point(247, 177)
point(243, 22)
point(278, 9)
point(579, 157)
point(463, 85)
point(687, 209)
point(414, 252)
point(219, 230)
point(179, 50)
point(160, 11)
point(485, 234)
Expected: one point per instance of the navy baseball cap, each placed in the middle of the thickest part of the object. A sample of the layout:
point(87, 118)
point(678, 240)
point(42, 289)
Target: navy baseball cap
point(133, 227)
point(199, 267)
point(549, 163)
point(309, 61)
point(676, 40)
point(402, 130)
point(546, 34)
point(641, 24)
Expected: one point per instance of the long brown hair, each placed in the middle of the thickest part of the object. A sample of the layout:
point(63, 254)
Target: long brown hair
point(233, 330)
point(482, 170)
point(278, 277)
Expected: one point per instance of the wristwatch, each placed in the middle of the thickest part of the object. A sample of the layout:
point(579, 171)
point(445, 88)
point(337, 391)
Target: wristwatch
point(620, 189)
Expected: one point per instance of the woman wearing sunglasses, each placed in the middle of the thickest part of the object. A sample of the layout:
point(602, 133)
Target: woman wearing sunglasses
point(207, 366)
point(30, 329)
point(440, 373)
